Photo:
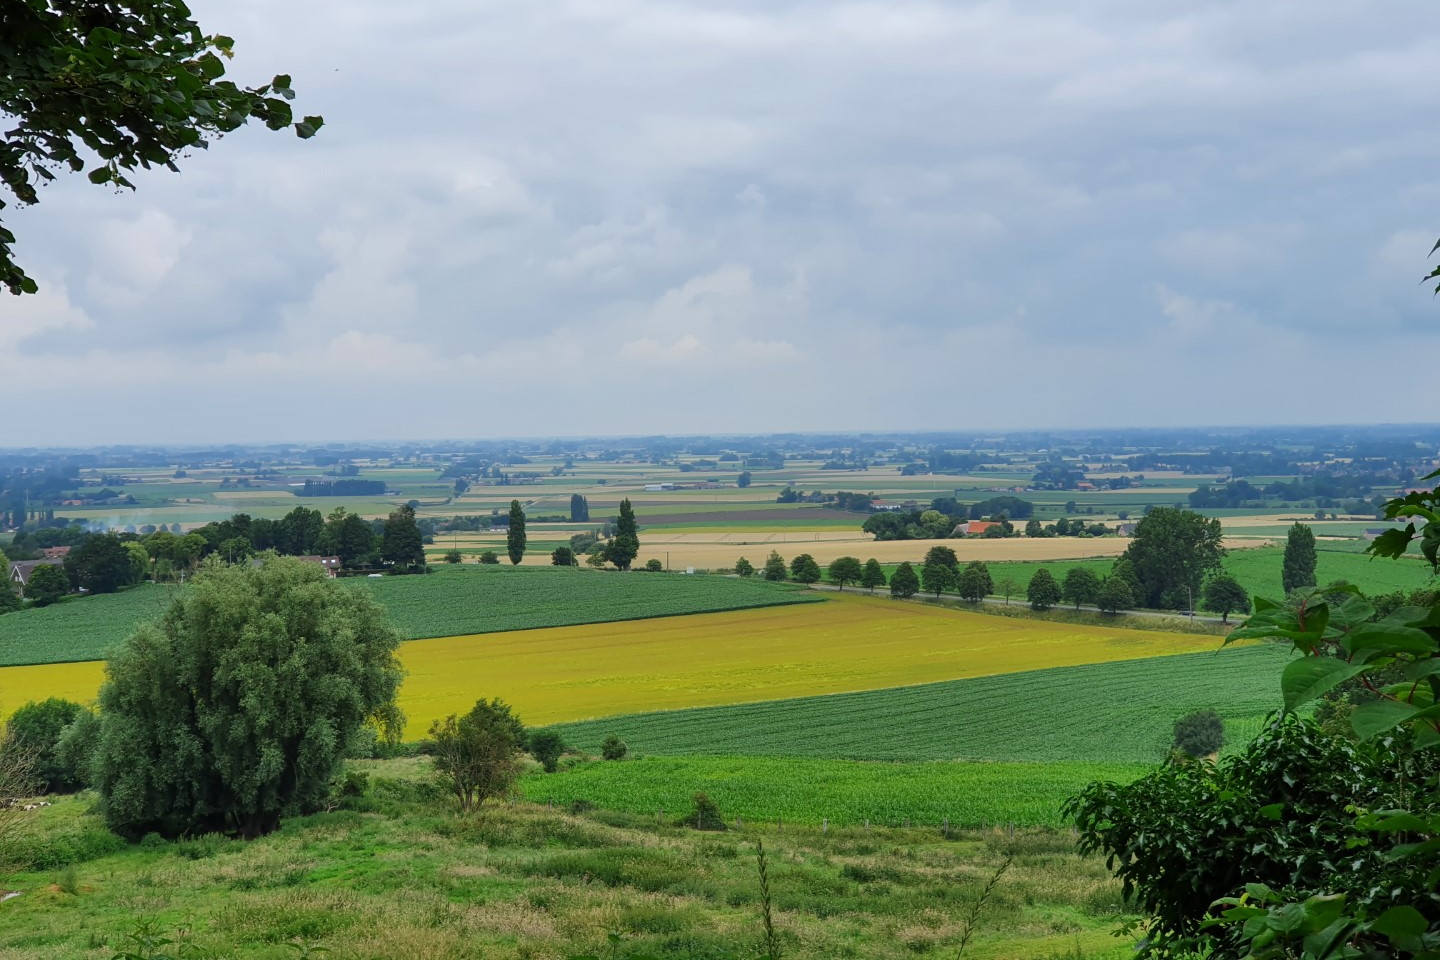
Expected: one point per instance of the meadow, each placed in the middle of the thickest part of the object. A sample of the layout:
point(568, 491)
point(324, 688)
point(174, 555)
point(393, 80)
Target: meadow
point(845, 792)
point(974, 719)
point(468, 599)
point(848, 643)
point(394, 873)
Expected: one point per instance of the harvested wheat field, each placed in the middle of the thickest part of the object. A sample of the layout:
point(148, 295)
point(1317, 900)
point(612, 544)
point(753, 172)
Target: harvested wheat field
point(850, 643)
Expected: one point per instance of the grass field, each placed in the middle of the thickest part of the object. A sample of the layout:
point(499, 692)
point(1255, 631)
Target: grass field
point(395, 874)
point(846, 792)
point(975, 719)
point(572, 673)
point(453, 600)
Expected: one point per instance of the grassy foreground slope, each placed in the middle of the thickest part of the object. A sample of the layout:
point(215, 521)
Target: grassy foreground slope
point(1095, 713)
point(395, 874)
point(453, 600)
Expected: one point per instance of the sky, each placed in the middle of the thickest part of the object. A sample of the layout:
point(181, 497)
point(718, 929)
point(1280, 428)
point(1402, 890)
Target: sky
point(605, 217)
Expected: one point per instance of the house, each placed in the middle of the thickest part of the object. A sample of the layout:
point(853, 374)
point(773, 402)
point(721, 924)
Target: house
point(20, 570)
point(658, 487)
point(1125, 529)
point(331, 565)
point(889, 506)
point(977, 528)
point(54, 553)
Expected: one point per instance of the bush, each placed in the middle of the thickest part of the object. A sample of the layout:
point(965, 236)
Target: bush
point(614, 748)
point(489, 556)
point(744, 568)
point(705, 816)
point(77, 749)
point(546, 746)
point(475, 754)
point(1199, 734)
point(452, 556)
point(37, 728)
point(654, 566)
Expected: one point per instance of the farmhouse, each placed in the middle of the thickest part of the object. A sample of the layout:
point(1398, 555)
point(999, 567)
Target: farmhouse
point(330, 564)
point(658, 487)
point(1125, 529)
point(20, 570)
point(54, 553)
point(889, 506)
point(975, 528)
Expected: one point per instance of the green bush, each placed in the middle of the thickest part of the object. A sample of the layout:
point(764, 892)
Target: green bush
point(489, 556)
point(706, 814)
point(614, 748)
point(38, 727)
point(1200, 734)
point(546, 746)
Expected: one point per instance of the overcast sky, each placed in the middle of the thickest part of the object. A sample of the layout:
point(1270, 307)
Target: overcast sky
point(625, 216)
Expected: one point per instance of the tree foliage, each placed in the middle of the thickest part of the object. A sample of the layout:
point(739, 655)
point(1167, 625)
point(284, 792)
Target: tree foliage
point(804, 569)
point(46, 585)
point(873, 575)
point(563, 557)
point(100, 564)
point(401, 544)
point(1224, 595)
point(1042, 592)
point(135, 85)
point(904, 583)
point(1171, 553)
point(744, 568)
point(624, 547)
point(1114, 595)
point(515, 533)
point(1298, 568)
point(237, 707)
point(36, 728)
point(843, 570)
point(937, 577)
point(477, 755)
point(1081, 586)
point(579, 509)
point(547, 747)
point(1199, 734)
point(774, 569)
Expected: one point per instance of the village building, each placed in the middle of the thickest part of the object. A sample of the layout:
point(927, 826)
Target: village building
point(20, 570)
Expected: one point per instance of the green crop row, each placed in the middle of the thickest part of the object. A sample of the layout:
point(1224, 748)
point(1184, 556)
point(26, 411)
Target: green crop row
point(847, 793)
point(1099, 713)
point(451, 601)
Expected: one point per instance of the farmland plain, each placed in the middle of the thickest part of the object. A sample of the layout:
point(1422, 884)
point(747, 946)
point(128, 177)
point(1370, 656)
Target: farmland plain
point(572, 673)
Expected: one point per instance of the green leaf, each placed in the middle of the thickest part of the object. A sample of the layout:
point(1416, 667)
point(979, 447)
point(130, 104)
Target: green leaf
point(1321, 945)
point(1380, 639)
point(1272, 811)
point(1374, 718)
point(100, 175)
point(1403, 926)
point(1309, 677)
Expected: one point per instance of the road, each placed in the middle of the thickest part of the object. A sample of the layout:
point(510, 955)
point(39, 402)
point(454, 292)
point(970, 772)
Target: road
point(952, 600)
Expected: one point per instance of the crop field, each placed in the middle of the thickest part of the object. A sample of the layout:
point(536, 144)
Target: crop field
point(469, 599)
point(846, 792)
point(974, 719)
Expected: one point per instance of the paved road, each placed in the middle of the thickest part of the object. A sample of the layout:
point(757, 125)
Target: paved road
point(951, 600)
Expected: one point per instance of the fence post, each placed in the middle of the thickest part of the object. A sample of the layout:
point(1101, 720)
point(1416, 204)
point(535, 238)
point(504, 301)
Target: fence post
point(824, 824)
point(946, 829)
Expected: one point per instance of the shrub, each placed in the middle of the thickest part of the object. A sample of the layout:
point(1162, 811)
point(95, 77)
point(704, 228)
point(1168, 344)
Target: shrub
point(654, 566)
point(475, 754)
point(1199, 734)
point(489, 556)
point(546, 746)
point(614, 748)
point(77, 748)
point(452, 556)
point(744, 568)
point(705, 815)
point(563, 557)
point(36, 728)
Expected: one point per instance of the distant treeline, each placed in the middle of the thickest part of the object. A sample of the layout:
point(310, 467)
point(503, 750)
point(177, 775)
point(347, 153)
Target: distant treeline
point(342, 488)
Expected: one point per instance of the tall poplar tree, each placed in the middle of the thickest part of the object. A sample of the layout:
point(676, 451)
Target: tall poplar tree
point(515, 536)
point(623, 549)
point(579, 508)
point(1299, 567)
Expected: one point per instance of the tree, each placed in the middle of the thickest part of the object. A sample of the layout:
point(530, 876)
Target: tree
point(1081, 586)
point(974, 582)
point(547, 747)
point(943, 556)
point(845, 570)
point(100, 564)
point(1042, 592)
point(596, 558)
point(653, 565)
point(1124, 571)
point(137, 84)
point(1298, 569)
point(46, 585)
point(1114, 595)
point(9, 602)
point(774, 569)
point(238, 706)
point(1172, 551)
point(938, 577)
point(1224, 595)
point(401, 544)
point(625, 545)
point(477, 754)
point(873, 575)
point(1199, 734)
point(743, 480)
point(453, 556)
point(139, 562)
point(613, 748)
point(744, 568)
point(1033, 528)
point(489, 557)
point(563, 557)
point(515, 533)
point(348, 536)
point(579, 509)
point(804, 569)
point(36, 728)
point(1006, 587)
point(903, 582)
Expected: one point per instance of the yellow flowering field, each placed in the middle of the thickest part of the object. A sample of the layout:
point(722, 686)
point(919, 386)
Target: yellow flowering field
point(852, 642)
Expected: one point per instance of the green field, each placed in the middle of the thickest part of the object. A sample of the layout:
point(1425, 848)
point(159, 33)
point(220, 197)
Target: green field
point(846, 792)
point(451, 601)
point(975, 719)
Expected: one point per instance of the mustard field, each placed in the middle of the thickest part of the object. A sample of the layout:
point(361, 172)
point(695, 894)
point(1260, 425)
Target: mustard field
point(849, 643)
